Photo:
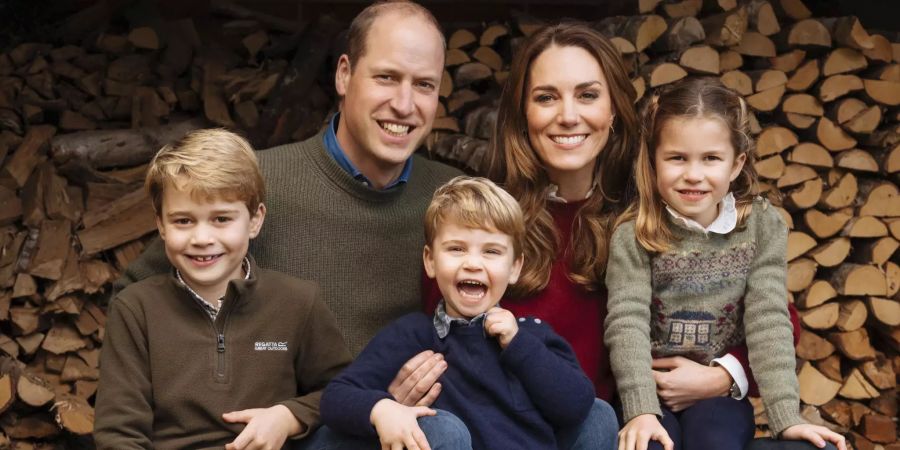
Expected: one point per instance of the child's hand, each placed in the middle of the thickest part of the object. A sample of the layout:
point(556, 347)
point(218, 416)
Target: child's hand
point(815, 434)
point(397, 426)
point(267, 428)
point(501, 324)
point(640, 430)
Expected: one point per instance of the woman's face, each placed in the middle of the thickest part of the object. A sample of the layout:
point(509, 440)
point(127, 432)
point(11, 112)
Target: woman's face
point(569, 112)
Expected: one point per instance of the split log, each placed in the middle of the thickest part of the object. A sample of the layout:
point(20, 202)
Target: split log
point(461, 38)
point(74, 414)
point(664, 73)
point(847, 31)
point(28, 155)
point(856, 159)
point(852, 315)
point(789, 61)
point(680, 34)
point(881, 199)
point(726, 29)
point(878, 428)
point(701, 59)
point(770, 168)
point(821, 317)
point(885, 311)
point(639, 30)
point(767, 100)
point(856, 387)
point(798, 244)
point(811, 347)
point(859, 280)
point(841, 194)
point(844, 60)
point(876, 251)
point(33, 390)
point(774, 140)
point(831, 253)
point(756, 44)
point(837, 86)
point(831, 367)
point(808, 34)
point(815, 388)
point(129, 218)
point(811, 154)
point(804, 77)
point(739, 82)
point(805, 196)
point(818, 293)
point(879, 372)
point(884, 92)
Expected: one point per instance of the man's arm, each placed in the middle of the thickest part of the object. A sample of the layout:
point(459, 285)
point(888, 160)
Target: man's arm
point(348, 400)
point(124, 414)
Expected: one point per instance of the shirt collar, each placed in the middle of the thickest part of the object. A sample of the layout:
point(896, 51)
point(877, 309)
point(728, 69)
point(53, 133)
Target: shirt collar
point(211, 309)
point(334, 149)
point(725, 222)
point(553, 193)
point(443, 322)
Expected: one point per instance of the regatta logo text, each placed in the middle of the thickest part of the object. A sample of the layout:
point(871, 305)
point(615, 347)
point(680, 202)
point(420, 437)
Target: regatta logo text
point(270, 346)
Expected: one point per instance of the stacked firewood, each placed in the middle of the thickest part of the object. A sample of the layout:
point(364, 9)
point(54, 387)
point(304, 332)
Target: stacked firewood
point(78, 123)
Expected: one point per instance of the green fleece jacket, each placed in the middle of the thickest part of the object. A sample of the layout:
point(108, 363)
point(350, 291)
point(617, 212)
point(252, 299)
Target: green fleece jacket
point(362, 245)
point(168, 371)
point(708, 293)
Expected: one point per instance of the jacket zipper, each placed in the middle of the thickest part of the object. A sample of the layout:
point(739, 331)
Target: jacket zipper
point(220, 353)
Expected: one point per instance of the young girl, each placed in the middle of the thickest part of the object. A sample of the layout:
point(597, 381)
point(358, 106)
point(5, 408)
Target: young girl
point(695, 267)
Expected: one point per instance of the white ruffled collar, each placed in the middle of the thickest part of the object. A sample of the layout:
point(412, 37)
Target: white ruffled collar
point(553, 193)
point(725, 222)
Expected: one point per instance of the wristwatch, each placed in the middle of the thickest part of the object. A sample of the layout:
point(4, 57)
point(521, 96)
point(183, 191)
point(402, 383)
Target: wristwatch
point(735, 391)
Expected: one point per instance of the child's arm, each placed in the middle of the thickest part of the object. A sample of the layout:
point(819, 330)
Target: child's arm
point(349, 399)
point(766, 321)
point(124, 408)
point(321, 355)
point(642, 429)
point(627, 333)
point(545, 365)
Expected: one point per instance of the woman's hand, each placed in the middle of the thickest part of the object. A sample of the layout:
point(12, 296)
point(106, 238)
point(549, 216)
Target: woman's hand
point(687, 382)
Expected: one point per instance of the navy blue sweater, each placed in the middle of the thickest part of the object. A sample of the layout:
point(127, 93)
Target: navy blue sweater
point(509, 399)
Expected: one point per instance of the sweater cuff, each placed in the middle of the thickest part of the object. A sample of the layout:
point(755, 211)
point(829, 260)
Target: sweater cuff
point(639, 401)
point(520, 348)
point(307, 417)
point(783, 415)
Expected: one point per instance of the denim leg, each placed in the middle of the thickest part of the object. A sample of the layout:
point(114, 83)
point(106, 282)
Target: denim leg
point(598, 431)
point(772, 444)
point(670, 422)
point(722, 423)
point(327, 439)
point(445, 431)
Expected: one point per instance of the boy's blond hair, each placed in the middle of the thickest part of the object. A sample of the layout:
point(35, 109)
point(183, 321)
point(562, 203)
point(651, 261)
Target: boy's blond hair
point(475, 202)
point(207, 163)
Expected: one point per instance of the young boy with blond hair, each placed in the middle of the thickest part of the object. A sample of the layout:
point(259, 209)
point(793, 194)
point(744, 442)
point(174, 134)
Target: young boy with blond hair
point(219, 352)
point(511, 381)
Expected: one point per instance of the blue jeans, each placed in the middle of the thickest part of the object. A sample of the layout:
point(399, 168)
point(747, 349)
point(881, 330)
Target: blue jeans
point(772, 444)
point(444, 431)
point(720, 423)
point(599, 431)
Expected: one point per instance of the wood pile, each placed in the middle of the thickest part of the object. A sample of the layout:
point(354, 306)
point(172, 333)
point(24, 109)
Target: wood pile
point(81, 116)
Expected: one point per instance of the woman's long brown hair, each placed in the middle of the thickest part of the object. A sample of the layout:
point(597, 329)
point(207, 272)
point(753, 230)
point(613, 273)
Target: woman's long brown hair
point(515, 164)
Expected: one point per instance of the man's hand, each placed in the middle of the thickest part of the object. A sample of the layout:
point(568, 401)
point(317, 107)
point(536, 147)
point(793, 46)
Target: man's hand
point(640, 430)
point(416, 383)
point(815, 434)
point(501, 323)
point(688, 382)
point(397, 426)
point(267, 428)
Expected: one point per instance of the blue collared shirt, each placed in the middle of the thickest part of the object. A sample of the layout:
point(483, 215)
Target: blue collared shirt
point(442, 322)
point(334, 149)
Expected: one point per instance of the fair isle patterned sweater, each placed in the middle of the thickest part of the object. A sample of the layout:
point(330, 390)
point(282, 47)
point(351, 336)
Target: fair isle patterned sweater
point(706, 294)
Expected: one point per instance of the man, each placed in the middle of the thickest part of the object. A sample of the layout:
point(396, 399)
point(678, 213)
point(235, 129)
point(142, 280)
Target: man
point(345, 207)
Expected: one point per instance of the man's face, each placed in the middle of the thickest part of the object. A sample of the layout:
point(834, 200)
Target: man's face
point(390, 96)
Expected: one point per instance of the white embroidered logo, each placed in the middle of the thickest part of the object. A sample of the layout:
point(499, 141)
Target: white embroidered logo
point(267, 346)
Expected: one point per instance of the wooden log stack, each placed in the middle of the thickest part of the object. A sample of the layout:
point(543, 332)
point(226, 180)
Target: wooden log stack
point(78, 123)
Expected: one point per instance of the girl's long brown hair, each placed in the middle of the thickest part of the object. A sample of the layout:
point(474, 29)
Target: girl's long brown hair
point(515, 164)
point(691, 98)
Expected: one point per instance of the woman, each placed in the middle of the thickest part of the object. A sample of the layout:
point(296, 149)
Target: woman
point(566, 137)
